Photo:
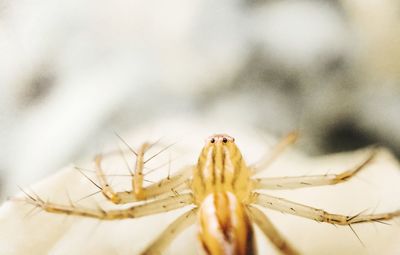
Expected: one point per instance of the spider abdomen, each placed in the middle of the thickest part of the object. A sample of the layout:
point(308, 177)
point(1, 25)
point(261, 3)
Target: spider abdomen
point(224, 227)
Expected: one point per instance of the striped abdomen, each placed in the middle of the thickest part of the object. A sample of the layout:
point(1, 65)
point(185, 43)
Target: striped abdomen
point(224, 227)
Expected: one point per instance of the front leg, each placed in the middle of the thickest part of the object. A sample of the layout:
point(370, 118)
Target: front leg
point(276, 151)
point(295, 182)
point(166, 186)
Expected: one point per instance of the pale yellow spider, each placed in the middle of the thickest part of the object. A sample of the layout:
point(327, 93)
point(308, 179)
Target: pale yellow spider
point(221, 189)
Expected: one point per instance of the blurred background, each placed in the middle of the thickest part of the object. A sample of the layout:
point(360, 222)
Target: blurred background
point(73, 72)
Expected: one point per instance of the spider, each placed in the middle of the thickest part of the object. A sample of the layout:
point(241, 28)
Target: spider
point(223, 192)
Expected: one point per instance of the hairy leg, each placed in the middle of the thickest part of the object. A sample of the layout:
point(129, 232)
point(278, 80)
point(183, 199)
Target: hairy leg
point(283, 205)
point(166, 186)
point(153, 207)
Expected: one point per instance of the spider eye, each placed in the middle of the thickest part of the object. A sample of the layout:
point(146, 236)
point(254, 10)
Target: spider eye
point(225, 140)
point(212, 140)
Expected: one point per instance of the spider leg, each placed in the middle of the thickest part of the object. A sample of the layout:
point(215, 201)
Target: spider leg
point(296, 182)
point(270, 231)
point(137, 182)
point(168, 235)
point(286, 206)
point(166, 186)
point(153, 207)
point(277, 150)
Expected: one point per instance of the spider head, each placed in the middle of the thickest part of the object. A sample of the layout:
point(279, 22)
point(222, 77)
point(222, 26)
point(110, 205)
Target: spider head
point(220, 138)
